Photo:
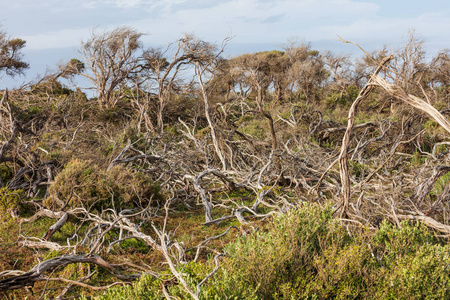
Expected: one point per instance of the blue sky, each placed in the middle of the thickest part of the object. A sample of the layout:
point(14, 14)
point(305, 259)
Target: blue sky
point(54, 29)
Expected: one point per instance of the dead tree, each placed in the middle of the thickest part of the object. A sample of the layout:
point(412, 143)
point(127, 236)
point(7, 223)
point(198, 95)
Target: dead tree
point(200, 69)
point(343, 156)
point(167, 71)
point(110, 59)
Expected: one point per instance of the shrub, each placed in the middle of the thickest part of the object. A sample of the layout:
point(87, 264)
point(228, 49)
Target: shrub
point(9, 201)
point(90, 185)
point(307, 254)
point(415, 265)
point(279, 263)
point(147, 287)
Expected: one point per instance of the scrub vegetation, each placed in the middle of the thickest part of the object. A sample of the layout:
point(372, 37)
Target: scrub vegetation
point(285, 174)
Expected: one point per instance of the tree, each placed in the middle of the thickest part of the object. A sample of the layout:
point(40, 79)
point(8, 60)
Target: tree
point(307, 69)
point(200, 70)
point(256, 71)
point(440, 72)
point(166, 71)
point(110, 59)
point(11, 55)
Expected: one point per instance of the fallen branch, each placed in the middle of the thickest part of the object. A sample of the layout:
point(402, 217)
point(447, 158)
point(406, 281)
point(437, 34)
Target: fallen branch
point(36, 274)
point(430, 222)
point(412, 100)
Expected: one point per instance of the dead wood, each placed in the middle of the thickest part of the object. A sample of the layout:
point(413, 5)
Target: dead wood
point(412, 100)
point(325, 133)
point(430, 222)
point(41, 244)
point(202, 193)
point(55, 227)
point(343, 156)
point(36, 274)
point(423, 189)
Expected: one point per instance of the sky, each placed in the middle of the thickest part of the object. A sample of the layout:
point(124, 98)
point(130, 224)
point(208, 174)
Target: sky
point(54, 29)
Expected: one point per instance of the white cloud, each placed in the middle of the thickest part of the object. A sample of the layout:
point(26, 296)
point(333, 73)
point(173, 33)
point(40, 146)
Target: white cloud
point(247, 19)
point(57, 24)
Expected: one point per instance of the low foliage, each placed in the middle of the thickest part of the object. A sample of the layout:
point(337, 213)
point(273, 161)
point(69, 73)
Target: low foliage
point(308, 254)
point(11, 201)
point(85, 183)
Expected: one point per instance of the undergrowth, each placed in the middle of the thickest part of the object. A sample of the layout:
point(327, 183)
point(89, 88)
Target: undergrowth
point(308, 254)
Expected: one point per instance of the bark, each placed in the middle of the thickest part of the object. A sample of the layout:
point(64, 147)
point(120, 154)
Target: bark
point(36, 274)
point(211, 125)
point(55, 227)
point(412, 100)
point(343, 156)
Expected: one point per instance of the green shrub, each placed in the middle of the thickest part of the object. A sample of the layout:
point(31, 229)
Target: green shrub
point(90, 185)
point(423, 275)
point(9, 201)
point(147, 287)
point(415, 265)
point(271, 263)
point(307, 254)
point(5, 172)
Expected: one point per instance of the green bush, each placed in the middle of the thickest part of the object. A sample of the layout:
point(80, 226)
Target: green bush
point(5, 173)
point(9, 201)
point(147, 287)
point(90, 185)
point(415, 264)
point(279, 263)
point(307, 254)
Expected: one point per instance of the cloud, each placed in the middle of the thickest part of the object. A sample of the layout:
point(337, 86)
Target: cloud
point(273, 19)
point(254, 20)
point(57, 24)
point(390, 30)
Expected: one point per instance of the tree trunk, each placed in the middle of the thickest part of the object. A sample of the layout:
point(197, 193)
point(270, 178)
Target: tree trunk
point(268, 116)
point(210, 122)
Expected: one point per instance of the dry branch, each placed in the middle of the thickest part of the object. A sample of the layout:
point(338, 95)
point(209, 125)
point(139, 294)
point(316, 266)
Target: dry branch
point(37, 272)
point(428, 221)
point(55, 227)
point(197, 186)
point(343, 156)
point(425, 187)
point(412, 100)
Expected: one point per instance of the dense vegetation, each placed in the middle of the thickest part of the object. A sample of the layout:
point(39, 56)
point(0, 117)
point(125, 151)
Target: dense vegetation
point(289, 174)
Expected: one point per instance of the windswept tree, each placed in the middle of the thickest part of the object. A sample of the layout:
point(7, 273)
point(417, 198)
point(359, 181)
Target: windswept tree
point(440, 73)
point(166, 70)
point(11, 57)
point(256, 70)
point(110, 59)
point(307, 71)
point(206, 68)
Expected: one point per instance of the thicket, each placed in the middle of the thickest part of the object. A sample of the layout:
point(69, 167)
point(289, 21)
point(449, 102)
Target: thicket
point(286, 174)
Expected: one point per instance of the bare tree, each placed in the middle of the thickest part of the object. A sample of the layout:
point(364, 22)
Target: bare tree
point(410, 62)
point(110, 58)
point(256, 72)
point(166, 71)
point(307, 69)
